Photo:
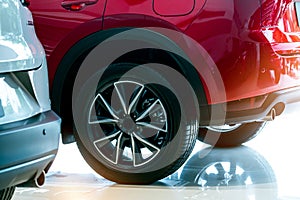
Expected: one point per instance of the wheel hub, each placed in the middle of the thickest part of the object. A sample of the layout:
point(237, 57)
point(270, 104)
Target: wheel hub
point(127, 125)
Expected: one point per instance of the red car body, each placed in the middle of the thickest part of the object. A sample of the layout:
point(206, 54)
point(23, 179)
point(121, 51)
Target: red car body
point(255, 45)
point(266, 28)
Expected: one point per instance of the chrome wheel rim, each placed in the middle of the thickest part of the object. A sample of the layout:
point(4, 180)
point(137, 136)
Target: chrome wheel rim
point(133, 124)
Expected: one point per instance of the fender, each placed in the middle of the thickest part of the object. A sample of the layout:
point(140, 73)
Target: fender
point(83, 38)
point(72, 57)
point(65, 45)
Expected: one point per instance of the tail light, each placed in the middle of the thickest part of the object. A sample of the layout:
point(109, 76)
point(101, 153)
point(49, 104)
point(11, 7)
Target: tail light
point(272, 10)
point(10, 22)
point(16, 53)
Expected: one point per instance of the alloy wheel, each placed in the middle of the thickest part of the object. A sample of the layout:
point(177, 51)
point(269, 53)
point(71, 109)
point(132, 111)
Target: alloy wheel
point(133, 122)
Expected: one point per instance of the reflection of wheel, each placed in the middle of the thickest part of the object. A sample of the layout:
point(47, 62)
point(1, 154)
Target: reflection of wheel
point(227, 167)
point(230, 135)
point(7, 194)
point(133, 128)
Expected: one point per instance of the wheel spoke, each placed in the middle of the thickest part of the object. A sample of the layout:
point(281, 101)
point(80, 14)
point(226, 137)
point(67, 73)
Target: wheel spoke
point(140, 157)
point(152, 126)
point(134, 101)
point(233, 168)
point(107, 106)
point(104, 121)
point(134, 149)
point(121, 98)
point(103, 141)
point(149, 109)
point(137, 154)
point(220, 169)
point(146, 143)
point(118, 149)
point(205, 176)
point(115, 156)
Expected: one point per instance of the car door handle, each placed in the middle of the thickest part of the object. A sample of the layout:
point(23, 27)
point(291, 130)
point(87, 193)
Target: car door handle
point(76, 5)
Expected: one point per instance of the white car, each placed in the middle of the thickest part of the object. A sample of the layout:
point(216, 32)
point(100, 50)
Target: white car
point(29, 129)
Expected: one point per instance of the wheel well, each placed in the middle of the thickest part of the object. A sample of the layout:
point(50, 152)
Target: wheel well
point(64, 108)
point(68, 68)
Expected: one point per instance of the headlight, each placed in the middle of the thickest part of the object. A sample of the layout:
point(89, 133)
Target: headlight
point(15, 53)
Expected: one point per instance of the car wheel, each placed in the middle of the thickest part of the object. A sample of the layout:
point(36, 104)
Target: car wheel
point(230, 135)
point(135, 128)
point(227, 167)
point(7, 194)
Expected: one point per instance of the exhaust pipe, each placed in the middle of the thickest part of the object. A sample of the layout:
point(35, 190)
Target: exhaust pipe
point(38, 181)
point(270, 116)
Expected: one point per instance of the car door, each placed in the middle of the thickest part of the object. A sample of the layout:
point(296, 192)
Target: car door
point(55, 19)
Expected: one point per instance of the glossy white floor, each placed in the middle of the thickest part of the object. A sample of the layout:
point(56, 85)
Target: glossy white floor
point(265, 168)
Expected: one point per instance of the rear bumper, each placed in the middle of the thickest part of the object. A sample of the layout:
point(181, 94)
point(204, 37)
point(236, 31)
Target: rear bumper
point(251, 110)
point(27, 148)
point(277, 100)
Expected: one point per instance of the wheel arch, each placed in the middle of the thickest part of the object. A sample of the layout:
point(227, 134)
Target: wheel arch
point(68, 67)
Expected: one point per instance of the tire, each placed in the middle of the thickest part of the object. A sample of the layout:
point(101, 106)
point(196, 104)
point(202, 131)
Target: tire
point(7, 194)
point(230, 136)
point(134, 128)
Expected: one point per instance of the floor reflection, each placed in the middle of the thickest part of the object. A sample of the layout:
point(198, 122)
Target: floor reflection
point(235, 173)
point(264, 169)
point(210, 173)
point(227, 167)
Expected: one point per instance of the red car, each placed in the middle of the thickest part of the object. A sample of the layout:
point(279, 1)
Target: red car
point(140, 80)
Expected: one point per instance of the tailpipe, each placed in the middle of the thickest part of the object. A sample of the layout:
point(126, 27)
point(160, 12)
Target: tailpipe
point(270, 116)
point(38, 181)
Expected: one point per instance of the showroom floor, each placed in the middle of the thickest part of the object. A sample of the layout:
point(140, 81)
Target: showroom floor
point(265, 168)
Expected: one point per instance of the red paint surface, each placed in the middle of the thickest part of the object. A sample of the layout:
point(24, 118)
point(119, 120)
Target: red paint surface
point(254, 44)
